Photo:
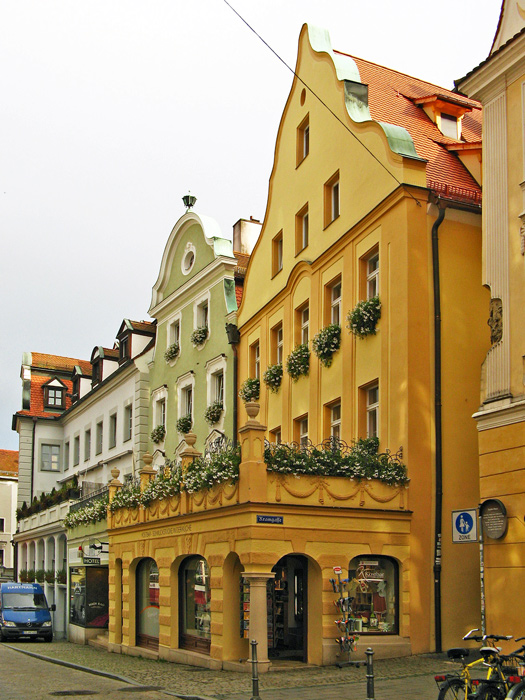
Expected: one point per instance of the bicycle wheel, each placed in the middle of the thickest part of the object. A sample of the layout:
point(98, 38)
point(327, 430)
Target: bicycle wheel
point(491, 692)
point(453, 689)
point(517, 692)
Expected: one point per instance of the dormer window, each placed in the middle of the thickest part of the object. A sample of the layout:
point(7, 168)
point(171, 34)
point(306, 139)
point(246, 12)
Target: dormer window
point(96, 376)
point(446, 111)
point(54, 397)
point(124, 349)
point(449, 125)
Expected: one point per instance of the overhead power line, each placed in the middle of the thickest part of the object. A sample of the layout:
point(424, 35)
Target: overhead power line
point(345, 126)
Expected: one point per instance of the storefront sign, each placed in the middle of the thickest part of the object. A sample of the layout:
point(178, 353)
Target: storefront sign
point(494, 518)
point(91, 560)
point(464, 525)
point(270, 519)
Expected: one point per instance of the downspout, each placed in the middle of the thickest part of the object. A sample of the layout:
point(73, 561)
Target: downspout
point(32, 460)
point(438, 426)
point(234, 338)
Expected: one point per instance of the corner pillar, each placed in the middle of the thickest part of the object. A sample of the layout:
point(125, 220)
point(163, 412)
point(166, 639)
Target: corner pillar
point(259, 615)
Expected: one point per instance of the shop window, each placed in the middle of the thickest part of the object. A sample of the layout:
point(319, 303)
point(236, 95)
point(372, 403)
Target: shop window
point(50, 458)
point(301, 230)
point(88, 596)
point(331, 199)
point(87, 445)
point(99, 438)
point(373, 590)
point(277, 253)
point(147, 604)
point(303, 140)
point(277, 344)
point(194, 605)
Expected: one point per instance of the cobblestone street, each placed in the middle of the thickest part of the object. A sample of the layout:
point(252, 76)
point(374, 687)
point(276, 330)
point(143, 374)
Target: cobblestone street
point(408, 678)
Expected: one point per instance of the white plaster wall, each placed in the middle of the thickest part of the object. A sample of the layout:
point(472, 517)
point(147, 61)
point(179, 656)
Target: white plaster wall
point(8, 495)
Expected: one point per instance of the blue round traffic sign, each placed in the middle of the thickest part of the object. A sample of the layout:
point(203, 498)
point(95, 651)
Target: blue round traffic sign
point(464, 523)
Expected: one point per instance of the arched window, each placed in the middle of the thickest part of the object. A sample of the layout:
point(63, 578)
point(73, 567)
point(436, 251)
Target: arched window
point(373, 589)
point(194, 606)
point(147, 604)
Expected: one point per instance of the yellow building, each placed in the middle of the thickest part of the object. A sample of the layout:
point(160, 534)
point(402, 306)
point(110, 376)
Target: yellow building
point(371, 166)
point(375, 174)
point(499, 83)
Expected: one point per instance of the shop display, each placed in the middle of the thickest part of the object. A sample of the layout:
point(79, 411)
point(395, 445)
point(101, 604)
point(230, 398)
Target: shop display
point(346, 624)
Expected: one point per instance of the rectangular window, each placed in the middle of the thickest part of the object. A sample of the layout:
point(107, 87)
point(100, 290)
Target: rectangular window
point(112, 430)
point(76, 450)
point(335, 302)
point(255, 360)
point(301, 230)
point(275, 436)
point(174, 333)
point(160, 413)
point(124, 353)
point(50, 458)
point(277, 253)
point(99, 437)
point(2, 525)
point(54, 397)
point(128, 422)
point(66, 456)
point(202, 315)
point(303, 140)
point(302, 316)
point(301, 431)
point(277, 344)
point(372, 410)
point(187, 401)
point(372, 275)
point(335, 420)
point(218, 387)
point(87, 445)
point(331, 200)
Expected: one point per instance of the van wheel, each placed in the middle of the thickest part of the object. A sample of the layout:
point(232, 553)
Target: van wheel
point(48, 639)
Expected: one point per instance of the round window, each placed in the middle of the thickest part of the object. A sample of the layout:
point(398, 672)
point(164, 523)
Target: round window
point(189, 259)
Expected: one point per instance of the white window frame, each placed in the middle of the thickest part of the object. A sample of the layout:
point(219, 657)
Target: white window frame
point(76, 449)
point(87, 444)
point(303, 431)
point(334, 200)
point(99, 436)
point(215, 367)
point(113, 425)
point(201, 314)
point(127, 423)
point(335, 420)
point(279, 343)
point(173, 330)
point(66, 455)
point(189, 250)
point(304, 312)
point(372, 275)
point(372, 410)
point(335, 301)
point(54, 454)
point(184, 383)
point(159, 399)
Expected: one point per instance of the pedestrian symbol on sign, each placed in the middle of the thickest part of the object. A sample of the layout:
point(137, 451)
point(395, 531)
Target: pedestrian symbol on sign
point(464, 526)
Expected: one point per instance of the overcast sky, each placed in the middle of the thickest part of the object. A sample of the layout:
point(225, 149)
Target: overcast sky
point(113, 109)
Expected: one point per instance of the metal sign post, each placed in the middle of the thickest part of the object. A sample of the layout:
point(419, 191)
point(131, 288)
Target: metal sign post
point(482, 572)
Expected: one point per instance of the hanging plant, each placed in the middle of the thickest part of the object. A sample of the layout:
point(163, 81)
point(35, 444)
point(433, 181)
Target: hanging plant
point(184, 424)
point(31, 576)
point(50, 576)
point(61, 576)
point(326, 342)
point(40, 575)
point(362, 320)
point(250, 390)
point(158, 434)
point(273, 377)
point(213, 413)
point(199, 335)
point(22, 575)
point(298, 362)
point(172, 351)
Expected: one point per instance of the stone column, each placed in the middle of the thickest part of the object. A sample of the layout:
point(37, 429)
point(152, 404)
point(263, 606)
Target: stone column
point(147, 472)
point(259, 615)
point(252, 471)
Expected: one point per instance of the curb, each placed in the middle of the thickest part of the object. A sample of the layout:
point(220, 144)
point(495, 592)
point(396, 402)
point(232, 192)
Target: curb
point(104, 674)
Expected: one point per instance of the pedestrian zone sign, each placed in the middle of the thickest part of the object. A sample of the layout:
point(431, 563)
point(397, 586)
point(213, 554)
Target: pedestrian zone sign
point(464, 525)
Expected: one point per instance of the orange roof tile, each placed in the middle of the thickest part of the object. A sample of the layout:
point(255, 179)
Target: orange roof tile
point(37, 398)
point(391, 97)
point(145, 326)
point(8, 463)
point(239, 288)
point(56, 362)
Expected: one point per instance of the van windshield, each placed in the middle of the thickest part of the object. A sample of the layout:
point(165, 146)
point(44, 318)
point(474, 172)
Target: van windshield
point(24, 601)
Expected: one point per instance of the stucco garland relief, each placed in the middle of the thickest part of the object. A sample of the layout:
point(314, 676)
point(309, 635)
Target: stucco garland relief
point(214, 497)
point(322, 486)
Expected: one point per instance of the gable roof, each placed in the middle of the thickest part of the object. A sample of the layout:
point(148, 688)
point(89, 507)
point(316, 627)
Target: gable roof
point(9, 463)
point(392, 98)
point(58, 363)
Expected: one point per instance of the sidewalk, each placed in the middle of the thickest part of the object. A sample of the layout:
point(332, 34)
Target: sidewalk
point(410, 678)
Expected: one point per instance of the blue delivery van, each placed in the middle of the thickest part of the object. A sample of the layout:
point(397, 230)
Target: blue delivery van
point(24, 612)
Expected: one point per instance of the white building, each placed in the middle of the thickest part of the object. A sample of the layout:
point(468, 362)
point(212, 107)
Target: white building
point(8, 496)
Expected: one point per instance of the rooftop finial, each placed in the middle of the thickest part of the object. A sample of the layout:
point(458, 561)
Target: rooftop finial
point(189, 201)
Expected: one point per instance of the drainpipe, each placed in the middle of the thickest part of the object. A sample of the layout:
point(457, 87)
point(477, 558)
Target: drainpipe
point(438, 428)
point(32, 460)
point(234, 338)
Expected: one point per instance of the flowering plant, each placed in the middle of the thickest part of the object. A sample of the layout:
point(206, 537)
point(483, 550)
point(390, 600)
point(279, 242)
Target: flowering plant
point(213, 412)
point(126, 497)
point(158, 434)
point(362, 320)
point(250, 390)
point(273, 377)
point(167, 483)
point(359, 461)
point(184, 424)
point(205, 472)
point(298, 362)
point(326, 342)
point(172, 351)
point(199, 335)
point(94, 512)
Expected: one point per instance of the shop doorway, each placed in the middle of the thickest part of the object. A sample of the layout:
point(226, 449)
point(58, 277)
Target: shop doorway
point(147, 602)
point(287, 609)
